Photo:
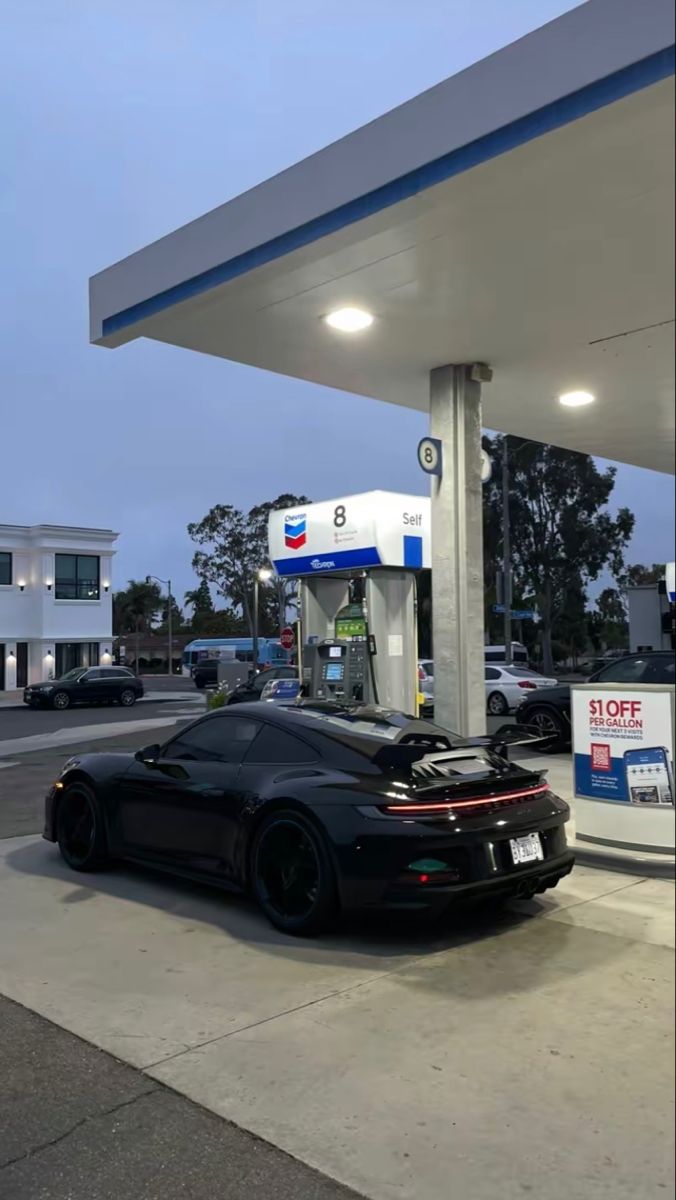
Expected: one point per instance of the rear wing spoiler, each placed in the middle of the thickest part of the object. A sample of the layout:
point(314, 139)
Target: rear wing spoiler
point(412, 750)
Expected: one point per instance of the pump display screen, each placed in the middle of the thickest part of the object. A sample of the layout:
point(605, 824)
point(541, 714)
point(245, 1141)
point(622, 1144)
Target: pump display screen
point(334, 672)
point(335, 651)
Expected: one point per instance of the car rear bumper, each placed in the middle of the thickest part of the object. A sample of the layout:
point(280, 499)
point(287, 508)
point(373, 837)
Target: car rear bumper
point(380, 868)
point(522, 882)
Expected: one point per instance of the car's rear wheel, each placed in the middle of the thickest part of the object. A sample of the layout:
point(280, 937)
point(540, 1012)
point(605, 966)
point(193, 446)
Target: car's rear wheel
point(292, 875)
point(127, 698)
point(551, 725)
point(79, 829)
point(497, 705)
point(60, 700)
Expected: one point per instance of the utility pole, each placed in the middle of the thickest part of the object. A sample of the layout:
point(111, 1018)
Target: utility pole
point(506, 553)
point(170, 627)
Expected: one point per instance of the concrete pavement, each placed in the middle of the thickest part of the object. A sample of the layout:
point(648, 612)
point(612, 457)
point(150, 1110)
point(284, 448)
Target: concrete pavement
point(527, 1051)
point(76, 1124)
point(524, 1051)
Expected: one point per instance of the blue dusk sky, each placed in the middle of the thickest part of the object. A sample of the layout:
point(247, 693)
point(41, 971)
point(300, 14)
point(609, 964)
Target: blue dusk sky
point(119, 123)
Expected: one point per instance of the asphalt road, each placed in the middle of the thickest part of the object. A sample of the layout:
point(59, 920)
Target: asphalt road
point(27, 722)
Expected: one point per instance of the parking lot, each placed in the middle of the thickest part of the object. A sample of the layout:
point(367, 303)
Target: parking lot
point(383, 1056)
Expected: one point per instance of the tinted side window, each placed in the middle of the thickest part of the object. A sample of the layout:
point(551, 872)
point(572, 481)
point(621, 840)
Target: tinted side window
point(627, 670)
point(491, 673)
point(216, 739)
point(277, 746)
point(662, 670)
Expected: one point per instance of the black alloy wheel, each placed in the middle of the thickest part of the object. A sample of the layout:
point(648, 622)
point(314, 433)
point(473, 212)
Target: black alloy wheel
point(547, 722)
point(79, 829)
point(61, 700)
point(127, 698)
point(292, 875)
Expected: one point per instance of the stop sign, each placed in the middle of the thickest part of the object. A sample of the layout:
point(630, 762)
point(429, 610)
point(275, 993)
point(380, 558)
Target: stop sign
point(288, 638)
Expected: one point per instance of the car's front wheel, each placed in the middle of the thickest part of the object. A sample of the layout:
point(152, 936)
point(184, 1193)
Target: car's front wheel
point(497, 705)
point(548, 724)
point(292, 876)
point(79, 829)
point(61, 700)
point(127, 698)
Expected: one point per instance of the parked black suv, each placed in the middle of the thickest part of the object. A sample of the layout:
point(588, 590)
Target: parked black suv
point(86, 685)
point(549, 709)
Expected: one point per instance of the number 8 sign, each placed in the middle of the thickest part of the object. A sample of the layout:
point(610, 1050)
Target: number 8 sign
point(429, 455)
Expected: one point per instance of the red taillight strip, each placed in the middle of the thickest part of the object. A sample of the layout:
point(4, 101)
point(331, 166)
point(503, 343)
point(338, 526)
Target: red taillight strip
point(414, 807)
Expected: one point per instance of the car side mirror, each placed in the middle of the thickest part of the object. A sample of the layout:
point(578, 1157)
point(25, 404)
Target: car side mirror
point(149, 754)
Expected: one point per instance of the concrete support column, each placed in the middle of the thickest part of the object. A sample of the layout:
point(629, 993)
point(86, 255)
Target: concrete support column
point(457, 553)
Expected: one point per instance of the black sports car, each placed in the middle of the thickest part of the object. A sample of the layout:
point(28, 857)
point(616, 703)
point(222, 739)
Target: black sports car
point(318, 808)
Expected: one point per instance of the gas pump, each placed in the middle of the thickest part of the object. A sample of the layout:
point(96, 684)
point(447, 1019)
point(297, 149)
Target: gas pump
point(341, 668)
point(356, 559)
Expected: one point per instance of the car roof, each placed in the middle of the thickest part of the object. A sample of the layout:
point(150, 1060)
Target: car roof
point(366, 728)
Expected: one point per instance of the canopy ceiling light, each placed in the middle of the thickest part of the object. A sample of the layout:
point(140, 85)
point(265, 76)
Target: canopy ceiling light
point(349, 320)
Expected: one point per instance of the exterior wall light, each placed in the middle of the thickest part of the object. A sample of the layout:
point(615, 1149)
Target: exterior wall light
point(106, 586)
point(22, 584)
point(48, 584)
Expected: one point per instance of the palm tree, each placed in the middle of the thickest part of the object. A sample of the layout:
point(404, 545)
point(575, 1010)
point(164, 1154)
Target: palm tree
point(135, 608)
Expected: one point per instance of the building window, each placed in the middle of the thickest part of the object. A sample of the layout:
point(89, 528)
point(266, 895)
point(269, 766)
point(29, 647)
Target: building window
point(75, 654)
point(77, 577)
point(5, 566)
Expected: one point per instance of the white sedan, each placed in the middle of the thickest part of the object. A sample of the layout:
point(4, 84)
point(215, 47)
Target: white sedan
point(506, 687)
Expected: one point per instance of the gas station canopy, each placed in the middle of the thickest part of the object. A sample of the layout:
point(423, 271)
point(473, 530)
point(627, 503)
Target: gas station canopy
point(519, 213)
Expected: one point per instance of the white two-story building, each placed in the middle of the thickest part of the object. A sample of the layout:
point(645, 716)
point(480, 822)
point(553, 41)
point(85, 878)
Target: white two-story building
point(56, 601)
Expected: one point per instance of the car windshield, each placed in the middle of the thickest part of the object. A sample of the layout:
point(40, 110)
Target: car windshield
point(76, 673)
point(522, 673)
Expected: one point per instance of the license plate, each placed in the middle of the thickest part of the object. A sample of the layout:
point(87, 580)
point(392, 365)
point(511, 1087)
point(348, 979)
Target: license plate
point(526, 849)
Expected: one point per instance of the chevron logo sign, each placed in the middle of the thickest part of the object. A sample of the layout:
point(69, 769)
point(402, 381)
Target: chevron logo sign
point(295, 530)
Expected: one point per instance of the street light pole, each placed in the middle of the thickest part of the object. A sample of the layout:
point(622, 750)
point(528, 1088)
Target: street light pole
point(260, 576)
point(506, 553)
point(255, 623)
